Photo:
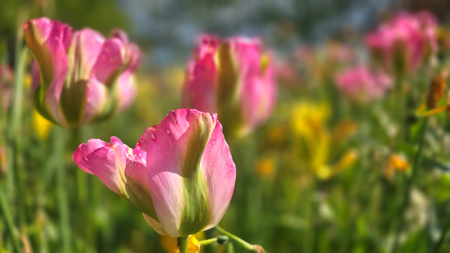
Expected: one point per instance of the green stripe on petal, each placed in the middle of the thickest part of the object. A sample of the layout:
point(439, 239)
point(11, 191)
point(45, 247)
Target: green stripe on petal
point(196, 212)
point(228, 89)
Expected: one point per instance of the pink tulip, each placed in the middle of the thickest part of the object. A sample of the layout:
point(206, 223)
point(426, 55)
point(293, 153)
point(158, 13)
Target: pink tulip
point(180, 174)
point(234, 78)
point(404, 43)
point(362, 84)
point(83, 76)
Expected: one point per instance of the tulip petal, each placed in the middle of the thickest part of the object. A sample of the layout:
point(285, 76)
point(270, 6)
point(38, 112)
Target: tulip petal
point(201, 77)
point(137, 182)
point(48, 41)
point(146, 138)
point(85, 149)
point(155, 225)
point(177, 185)
point(126, 89)
point(109, 61)
point(104, 74)
point(108, 164)
point(219, 171)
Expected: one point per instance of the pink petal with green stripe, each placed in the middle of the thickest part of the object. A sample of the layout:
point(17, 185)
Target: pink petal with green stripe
point(182, 181)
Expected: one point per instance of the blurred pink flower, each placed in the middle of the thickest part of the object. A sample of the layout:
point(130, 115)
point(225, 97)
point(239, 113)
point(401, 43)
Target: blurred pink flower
point(405, 42)
point(6, 85)
point(235, 78)
point(180, 174)
point(82, 76)
point(362, 84)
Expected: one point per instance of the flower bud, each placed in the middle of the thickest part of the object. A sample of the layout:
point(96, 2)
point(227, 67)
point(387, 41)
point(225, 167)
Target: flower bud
point(403, 44)
point(234, 78)
point(79, 76)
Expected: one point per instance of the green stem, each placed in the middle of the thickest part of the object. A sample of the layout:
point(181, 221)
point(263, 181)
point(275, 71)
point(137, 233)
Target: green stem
point(409, 184)
point(15, 177)
point(61, 186)
point(236, 239)
point(439, 243)
point(16, 107)
point(6, 214)
point(207, 241)
point(13, 131)
point(183, 243)
point(230, 248)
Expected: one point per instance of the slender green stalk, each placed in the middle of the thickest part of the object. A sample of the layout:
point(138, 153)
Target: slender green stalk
point(409, 184)
point(15, 175)
point(183, 243)
point(230, 248)
point(13, 131)
point(61, 189)
point(6, 214)
point(16, 107)
point(208, 241)
point(236, 239)
point(439, 243)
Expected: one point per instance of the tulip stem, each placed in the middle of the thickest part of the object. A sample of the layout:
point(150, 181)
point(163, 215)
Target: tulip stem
point(183, 243)
point(441, 239)
point(6, 214)
point(236, 239)
point(61, 186)
point(409, 184)
point(208, 241)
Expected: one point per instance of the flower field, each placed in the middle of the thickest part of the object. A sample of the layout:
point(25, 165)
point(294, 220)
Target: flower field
point(241, 141)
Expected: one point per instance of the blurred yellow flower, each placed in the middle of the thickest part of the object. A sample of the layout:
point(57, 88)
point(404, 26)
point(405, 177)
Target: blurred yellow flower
point(317, 143)
point(41, 125)
point(170, 244)
point(27, 80)
point(325, 172)
point(307, 117)
point(396, 163)
point(265, 167)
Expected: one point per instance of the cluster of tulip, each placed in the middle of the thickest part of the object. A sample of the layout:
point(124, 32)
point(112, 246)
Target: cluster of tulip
point(180, 174)
point(310, 171)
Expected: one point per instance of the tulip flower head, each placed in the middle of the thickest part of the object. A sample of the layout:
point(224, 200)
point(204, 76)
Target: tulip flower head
point(363, 85)
point(404, 43)
point(79, 76)
point(180, 174)
point(234, 78)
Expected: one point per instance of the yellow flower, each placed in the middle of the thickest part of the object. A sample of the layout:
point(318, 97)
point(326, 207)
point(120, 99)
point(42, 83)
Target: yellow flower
point(307, 117)
point(170, 244)
point(396, 163)
point(41, 125)
point(317, 143)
